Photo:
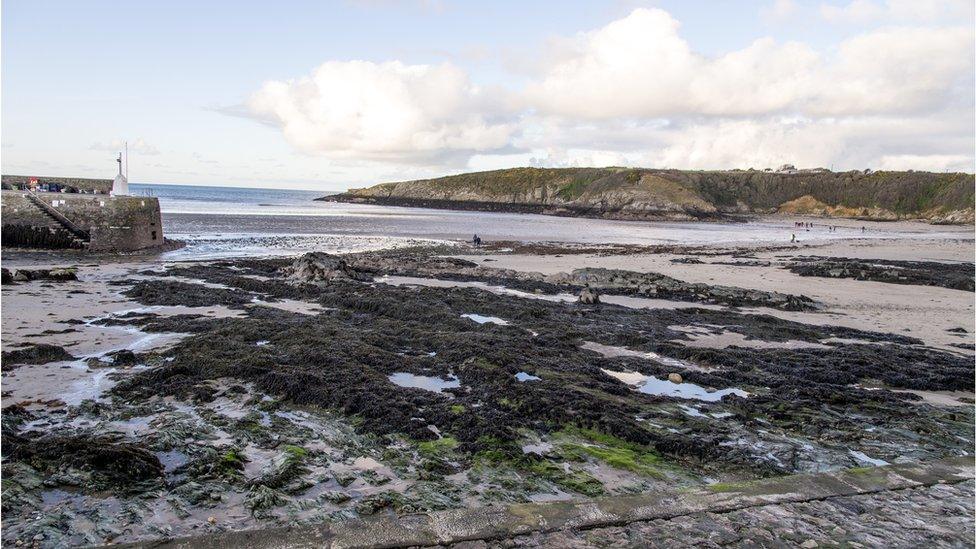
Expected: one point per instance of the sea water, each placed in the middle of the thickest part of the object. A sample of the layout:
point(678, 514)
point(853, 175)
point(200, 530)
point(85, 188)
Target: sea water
point(225, 221)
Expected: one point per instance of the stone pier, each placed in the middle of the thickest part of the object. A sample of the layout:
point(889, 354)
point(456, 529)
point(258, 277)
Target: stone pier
point(107, 223)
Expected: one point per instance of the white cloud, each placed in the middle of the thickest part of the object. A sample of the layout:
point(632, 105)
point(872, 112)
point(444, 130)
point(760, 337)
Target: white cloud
point(898, 70)
point(939, 142)
point(139, 146)
point(385, 111)
point(635, 92)
point(640, 66)
point(933, 162)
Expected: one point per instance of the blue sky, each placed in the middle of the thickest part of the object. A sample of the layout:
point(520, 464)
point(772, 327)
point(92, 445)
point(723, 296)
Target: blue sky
point(446, 86)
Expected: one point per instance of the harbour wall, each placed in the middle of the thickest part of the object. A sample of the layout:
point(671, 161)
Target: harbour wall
point(72, 184)
point(117, 223)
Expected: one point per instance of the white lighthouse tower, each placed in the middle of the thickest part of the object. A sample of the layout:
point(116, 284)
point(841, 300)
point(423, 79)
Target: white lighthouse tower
point(120, 187)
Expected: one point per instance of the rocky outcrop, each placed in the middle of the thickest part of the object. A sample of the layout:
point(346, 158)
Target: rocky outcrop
point(588, 296)
point(655, 285)
point(587, 283)
point(322, 267)
point(54, 275)
point(958, 276)
point(41, 353)
point(649, 194)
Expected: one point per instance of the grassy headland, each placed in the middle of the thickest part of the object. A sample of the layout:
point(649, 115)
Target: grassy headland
point(640, 193)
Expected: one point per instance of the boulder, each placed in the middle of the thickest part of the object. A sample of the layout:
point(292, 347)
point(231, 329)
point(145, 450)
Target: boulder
point(56, 275)
point(323, 267)
point(114, 359)
point(41, 353)
point(589, 296)
point(675, 377)
point(62, 275)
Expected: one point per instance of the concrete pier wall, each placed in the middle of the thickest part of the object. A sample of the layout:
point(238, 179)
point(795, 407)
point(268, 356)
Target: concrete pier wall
point(496, 525)
point(122, 223)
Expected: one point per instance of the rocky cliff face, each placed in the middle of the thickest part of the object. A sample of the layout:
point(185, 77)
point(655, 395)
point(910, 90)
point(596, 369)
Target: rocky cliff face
point(636, 193)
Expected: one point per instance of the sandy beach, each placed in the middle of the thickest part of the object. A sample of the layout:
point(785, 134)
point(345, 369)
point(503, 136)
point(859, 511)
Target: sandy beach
point(922, 311)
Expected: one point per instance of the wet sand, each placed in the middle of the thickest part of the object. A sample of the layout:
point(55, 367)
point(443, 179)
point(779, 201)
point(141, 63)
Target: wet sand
point(924, 312)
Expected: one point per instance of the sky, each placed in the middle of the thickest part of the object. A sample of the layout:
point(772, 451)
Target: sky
point(335, 95)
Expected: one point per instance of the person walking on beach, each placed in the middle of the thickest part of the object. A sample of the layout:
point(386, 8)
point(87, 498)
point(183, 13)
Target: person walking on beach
point(794, 238)
point(476, 240)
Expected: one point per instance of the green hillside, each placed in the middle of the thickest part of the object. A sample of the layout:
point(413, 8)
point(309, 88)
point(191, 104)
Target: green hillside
point(636, 192)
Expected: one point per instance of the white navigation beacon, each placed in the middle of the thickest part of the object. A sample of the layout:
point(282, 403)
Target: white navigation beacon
point(120, 186)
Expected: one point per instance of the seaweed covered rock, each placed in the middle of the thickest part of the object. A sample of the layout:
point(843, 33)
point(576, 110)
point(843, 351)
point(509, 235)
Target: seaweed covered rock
point(40, 353)
point(588, 296)
point(657, 285)
point(55, 275)
point(322, 267)
point(170, 292)
point(110, 463)
point(957, 276)
point(121, 358)
point(347, 359)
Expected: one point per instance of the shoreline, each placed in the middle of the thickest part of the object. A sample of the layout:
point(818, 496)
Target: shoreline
point(616, 214)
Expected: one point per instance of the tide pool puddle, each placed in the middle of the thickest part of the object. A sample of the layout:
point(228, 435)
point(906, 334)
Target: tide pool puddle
point(717, 337)
point(172, 460)
point(481, 319)
point(610, 351)
point(861, 457)
point(695, 412)
point(291, 305)
point(500, 290)
point(427, 383)
point(524, 376)
point(655, 386)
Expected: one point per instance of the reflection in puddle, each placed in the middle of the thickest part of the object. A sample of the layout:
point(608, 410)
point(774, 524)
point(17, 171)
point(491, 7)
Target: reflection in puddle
point(172, 460)
point(427, 383)
point(861, 457)
point(655, 386)
point(610, 351)
point(717, 337)
point(481, 319)
point(291, 305)
point(695, 412)
point(523, 376)
point(500, 290)
point(58, 496)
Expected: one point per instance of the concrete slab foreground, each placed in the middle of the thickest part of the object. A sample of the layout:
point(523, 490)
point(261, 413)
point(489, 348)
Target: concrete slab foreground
point(504, 522)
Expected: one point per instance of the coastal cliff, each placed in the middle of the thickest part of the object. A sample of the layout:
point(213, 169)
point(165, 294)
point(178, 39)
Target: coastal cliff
point(652, 194)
